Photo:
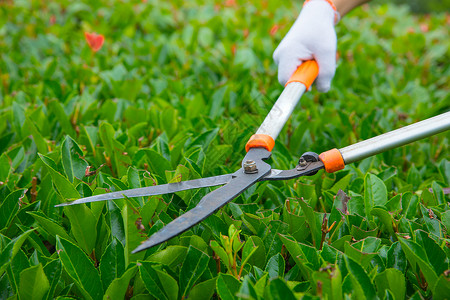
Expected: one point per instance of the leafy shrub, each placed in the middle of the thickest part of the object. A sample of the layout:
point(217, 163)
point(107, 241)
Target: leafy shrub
point(174, 94)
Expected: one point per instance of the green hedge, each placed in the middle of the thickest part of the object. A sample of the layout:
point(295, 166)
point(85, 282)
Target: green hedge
point(174, 94)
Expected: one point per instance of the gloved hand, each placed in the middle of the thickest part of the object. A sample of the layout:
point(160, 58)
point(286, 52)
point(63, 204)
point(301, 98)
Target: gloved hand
point(311, 37)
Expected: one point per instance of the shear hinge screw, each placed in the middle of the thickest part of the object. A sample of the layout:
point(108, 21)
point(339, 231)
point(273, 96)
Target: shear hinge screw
point(302, 162)
point(250, 167)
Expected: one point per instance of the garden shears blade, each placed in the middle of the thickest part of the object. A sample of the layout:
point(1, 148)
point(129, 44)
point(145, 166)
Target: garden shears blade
point(253, 169)
point(161, 189)
point(214, 200)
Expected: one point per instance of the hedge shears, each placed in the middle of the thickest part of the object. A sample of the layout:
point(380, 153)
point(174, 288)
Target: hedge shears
point(259, 147)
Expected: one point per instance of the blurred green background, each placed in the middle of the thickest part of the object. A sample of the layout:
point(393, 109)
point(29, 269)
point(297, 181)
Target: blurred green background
point(422, 6)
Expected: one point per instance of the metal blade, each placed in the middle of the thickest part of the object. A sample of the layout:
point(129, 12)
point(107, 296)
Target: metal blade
point(310, 169)
point(156, 190)
point(213, 201)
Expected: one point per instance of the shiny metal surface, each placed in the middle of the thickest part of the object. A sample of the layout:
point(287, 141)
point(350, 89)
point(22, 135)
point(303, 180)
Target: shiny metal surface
point(282, 109)
point(310, 169)
point(396, 138)
point(156, 189)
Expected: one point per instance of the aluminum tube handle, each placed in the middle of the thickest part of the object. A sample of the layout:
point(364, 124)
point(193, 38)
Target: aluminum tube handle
point(274, 122)
point(282, 110)
point(396, 138)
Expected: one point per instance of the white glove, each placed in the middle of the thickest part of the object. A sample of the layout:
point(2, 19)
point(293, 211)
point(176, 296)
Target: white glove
point(311, 37)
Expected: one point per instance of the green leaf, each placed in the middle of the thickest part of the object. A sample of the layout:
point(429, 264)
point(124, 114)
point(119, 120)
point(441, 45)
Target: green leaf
point(432, 222)
point(253, 252)
point(133, 234)
point(307, 191)
point(360, 277)
point(220, 251)
point(203, 290)
point(5, 167)
point(435, 254)
point(217, 99)
point(215, 224)
point(158, 283)
point(53, 271)
point(271, 240)
point(49, 225)
point(72, 161)
point(445, 218)
point(314, 221)
point(351, 287)
point(360, 257)
point(158, 164)
point(114, 149)
point(119, 286)
point(10, 206)
point(62, 184)
point(227, 286)
point(171, 256)
point(30, 127)
point(134, 182)
point(360, 234)
point(428, 199)
point(296, 223)
point(444, 169)
point(261, 284)
point(112, 264)
point(33, 283)
point(375, 193)
point(441, 289)
point(385, 217)
point(341, 184)
point(304, 256)
point(277, 289)
point(409, 205)
point(392, 280)
point(330, 282)
point(418, 259)
point(275, 266)
point(193, 267)
point(394, 204)
point(10, 249)
point(438, 193)
point(414, 177)
point(16, 266)
point(396, 258)
point(116, 222)
point(58, 111)
point(83, 225)
point(247, 290)
point(80, 268)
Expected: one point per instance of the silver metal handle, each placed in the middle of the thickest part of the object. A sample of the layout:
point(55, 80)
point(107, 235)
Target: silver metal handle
point(282, 109)
point(396, 138)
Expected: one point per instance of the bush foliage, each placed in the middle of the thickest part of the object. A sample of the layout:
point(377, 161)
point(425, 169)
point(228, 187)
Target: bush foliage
point(174, 94)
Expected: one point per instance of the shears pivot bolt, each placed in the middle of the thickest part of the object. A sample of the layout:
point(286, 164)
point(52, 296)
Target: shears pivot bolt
point(250, 167)
point(306, 159)
point(302, 162)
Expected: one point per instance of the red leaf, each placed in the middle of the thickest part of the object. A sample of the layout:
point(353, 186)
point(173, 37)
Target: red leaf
point(274, 29)
point(95, 41)
point(230, 3)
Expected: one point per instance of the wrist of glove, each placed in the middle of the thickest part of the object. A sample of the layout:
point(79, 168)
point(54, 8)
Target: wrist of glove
point(311, 37)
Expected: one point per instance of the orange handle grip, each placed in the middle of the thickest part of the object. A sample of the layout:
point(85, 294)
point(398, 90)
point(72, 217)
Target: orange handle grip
point(332, 160)
point(306, 73)
point(260, 141)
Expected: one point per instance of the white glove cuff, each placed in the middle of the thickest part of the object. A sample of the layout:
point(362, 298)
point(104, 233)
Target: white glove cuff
point(337, 15)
